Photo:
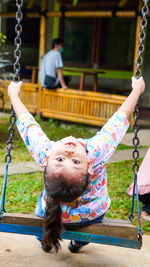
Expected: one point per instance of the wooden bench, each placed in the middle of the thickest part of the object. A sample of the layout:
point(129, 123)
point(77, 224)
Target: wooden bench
point(111, 232)
point(82, 79)
point(34, 70)
point(85, 73)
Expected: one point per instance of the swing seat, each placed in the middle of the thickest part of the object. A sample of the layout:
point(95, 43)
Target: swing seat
point(109, 232)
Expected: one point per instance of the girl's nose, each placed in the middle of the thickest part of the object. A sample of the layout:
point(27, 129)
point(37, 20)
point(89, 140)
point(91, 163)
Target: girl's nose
point(69, 152)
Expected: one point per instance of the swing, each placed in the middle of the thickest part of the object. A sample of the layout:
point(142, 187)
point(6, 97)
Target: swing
point(111, 232)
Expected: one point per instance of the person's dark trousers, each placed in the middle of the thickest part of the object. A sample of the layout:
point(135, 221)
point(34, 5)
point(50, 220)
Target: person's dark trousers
point(145, 199)
point(66, 79)
point(82, 243)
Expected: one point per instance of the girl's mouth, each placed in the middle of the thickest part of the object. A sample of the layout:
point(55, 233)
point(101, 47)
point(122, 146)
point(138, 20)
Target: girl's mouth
point(70, 143)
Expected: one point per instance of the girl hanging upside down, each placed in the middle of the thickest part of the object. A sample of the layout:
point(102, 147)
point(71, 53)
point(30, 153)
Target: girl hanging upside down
point(75, 179)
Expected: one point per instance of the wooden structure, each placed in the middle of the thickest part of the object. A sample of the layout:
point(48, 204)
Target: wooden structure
point(83, 76)
point(72, 105)
point(88, 107)
point(82, 80)
point(111, 232)
point(34, 70)
point(78, 14)
point(29, 96)
point(84, 73)
point(79, 106)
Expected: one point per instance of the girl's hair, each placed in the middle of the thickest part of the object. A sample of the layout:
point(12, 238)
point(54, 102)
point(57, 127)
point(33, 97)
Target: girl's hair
point(58, 190)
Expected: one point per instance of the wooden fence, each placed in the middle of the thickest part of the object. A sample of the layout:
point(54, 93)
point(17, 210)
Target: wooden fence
point(29, 96)
point(71, 105)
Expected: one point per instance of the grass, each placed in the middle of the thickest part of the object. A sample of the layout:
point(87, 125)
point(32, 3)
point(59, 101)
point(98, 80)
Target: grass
point(24, 189)
point(22, 192)
point(120, 176)
point(54, 129)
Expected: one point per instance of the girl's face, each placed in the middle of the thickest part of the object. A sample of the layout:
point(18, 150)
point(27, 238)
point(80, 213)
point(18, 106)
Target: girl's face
point(68, 157)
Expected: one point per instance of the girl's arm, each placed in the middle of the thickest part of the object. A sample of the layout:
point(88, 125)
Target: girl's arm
point(13, 92)
point(34, 138)
point(138, 88)
point(105, 142)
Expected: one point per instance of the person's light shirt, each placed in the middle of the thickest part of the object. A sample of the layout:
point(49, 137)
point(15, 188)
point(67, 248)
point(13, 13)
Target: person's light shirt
point(51, 61)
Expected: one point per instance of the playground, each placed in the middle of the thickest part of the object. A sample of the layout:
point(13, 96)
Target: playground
point(20, 251)
point(54, 186)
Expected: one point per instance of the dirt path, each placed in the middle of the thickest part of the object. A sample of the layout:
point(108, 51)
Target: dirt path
point(25, 251)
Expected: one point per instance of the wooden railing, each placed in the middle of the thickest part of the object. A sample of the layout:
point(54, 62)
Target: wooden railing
point(71, 105)
point(29, 96)
point(84, 107)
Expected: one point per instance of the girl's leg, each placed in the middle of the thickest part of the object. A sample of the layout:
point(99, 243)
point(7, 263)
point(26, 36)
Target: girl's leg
point(75, 245)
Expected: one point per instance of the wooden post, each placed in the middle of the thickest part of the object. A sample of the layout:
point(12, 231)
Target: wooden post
point(31, 4)
point(39, 100)
point(78, 14)
point(122, 3)
point(56, 20)
point(42, 45)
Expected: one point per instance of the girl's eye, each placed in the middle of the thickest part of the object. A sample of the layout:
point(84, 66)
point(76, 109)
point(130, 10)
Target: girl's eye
point(60, 159)
point(75, 161)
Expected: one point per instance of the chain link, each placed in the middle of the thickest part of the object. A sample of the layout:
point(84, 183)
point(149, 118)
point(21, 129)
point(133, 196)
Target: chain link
point(16, 78)
point(142, 36)
point(136, 124)
point(18, 42)
point(139, 63)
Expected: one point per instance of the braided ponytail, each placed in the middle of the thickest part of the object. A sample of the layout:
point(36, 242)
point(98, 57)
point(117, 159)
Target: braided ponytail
point(58, 190)
point(52, 224)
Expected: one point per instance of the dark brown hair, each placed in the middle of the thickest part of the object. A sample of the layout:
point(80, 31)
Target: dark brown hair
point(58, 190)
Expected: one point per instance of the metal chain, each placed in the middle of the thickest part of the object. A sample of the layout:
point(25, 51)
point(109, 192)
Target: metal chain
point(16, 78)
point(136, 125)
point(142, 36)
point(18, 30)
point(11, 131)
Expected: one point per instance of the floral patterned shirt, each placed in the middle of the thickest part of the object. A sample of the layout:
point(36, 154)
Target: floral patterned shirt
point(95, 200)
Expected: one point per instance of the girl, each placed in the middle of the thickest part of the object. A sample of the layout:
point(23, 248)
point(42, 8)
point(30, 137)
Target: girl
point(75, 179)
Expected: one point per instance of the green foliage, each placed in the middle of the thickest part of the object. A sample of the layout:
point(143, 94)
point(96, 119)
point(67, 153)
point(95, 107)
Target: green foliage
point(2, 39)
point(75, 2)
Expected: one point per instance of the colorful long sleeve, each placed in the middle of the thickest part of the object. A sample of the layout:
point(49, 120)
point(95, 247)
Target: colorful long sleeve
point(105, 142)
point(34, 138)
